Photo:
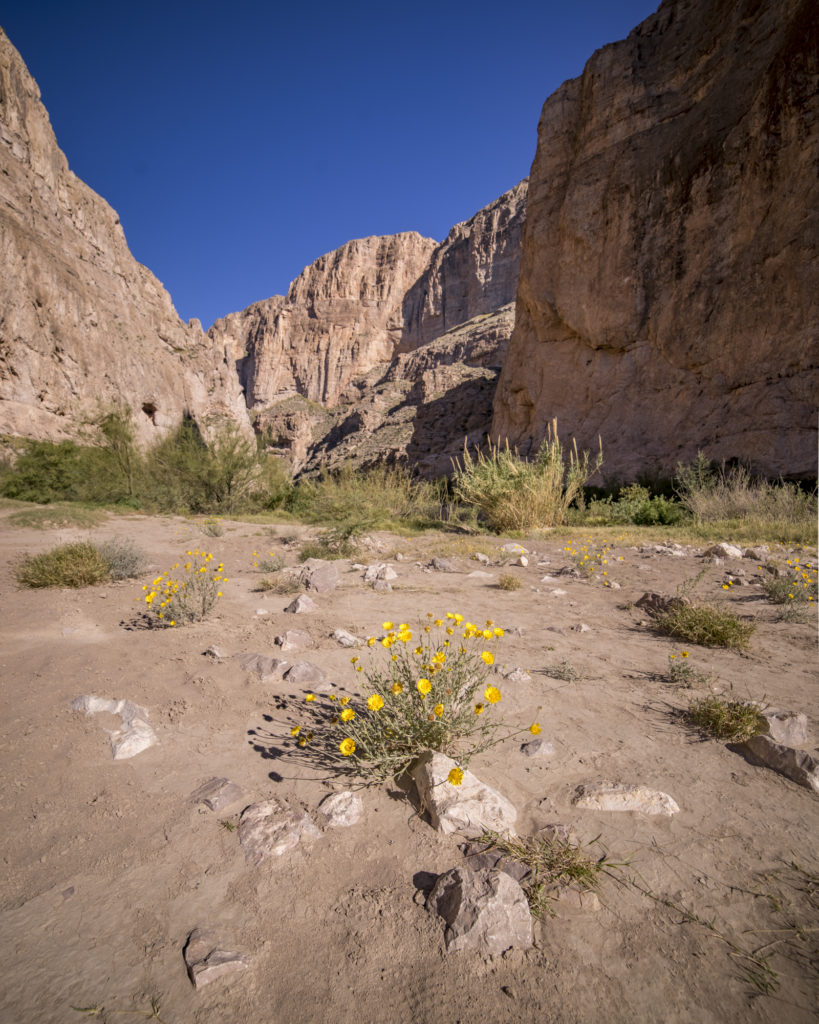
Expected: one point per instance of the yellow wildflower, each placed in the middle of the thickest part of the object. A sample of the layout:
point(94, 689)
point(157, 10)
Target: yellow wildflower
point(397, 688)
point(295, 730)
point(438, 710)
point(534, 728)
point(347, 747)
point(488, 657)
point(479, 709)
point(376, 702)
point(455, 777)
point(310, 697)
point(423, 686)
point(492, 694)
point(347, 715)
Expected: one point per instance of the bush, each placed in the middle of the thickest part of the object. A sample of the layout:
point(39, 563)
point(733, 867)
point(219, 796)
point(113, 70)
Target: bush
point(795, 585)
point(69, 565)
point(634, 504)
point(509, 582)
point(736, 720)
point(512, 494)
point(189, 594)
point(432, 694)
point(125, 560)
point(706, 625)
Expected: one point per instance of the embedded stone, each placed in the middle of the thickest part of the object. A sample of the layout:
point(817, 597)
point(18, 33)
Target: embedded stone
point(444, 565)
point(486, 911)
point(341, 810)
point(270, 829)
point(470, 808)
point(304, 672)
point(382, 586)
point(657, 605)
point(319, 574)
point(206, 962)
point(523, 561)
point(613, 796)
point(345, 639)
point(538, 747)
point(723, 550)
point(135, 735)
point(294, 640)
point(787, 727)
point(797, 765)
point(261, 665)
point(517, 675)
point(301, 605)
point(217, 794)
point(479, 556)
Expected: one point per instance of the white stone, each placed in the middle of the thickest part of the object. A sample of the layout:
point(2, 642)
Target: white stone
point(372, 571)
point(514, 549)
point(341, 636)
point(387, 573)
point(523, 561)
point(538, 747)
point(479, 556)
point(135, 735)
point(787, 727)
point(479, 574)
point(612, 796)
point(304, 672)
point(517, 675)
point(294, 640)
point(581, 627)
point(270, 829)
point(486, 911)
point(723, 550)
point(342, 809)
point(469, 809)
point(557, 592)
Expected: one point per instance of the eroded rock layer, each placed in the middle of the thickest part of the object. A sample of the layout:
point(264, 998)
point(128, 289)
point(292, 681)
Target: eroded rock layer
point(82, 324)
point(669, 294)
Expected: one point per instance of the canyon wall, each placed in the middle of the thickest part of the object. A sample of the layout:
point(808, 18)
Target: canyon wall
point(669, 293)
point(83, 325)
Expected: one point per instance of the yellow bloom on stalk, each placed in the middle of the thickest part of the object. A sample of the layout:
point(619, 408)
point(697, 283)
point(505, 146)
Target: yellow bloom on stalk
point(449, 630)
point(403, 627)
point(423, 686)
point(354, 659)
point(345, 700)
point(487, 634)
point(388, 641)
point(497, 631)
point(438, 710)
point(397, 688)
point(347, 747)
point(295, 730)
point(438, 622)
point(371, 641)
point(386, 625)
point(310, 697)
point(488, 657)
point(405, 636)
point(376, 702)
point(302, 741)
point(347, 715)
point(479, 709)
point(683, 654)
point(455, 777)
point(534, 728)
point(492, 694)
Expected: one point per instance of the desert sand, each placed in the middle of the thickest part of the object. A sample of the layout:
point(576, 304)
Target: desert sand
point(109, 865)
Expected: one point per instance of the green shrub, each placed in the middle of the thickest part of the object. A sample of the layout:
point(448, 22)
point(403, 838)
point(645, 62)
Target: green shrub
point(634, 504)
point(706, 625)
point(70, 565)
point(726, 719)
point(795, 585)
point(512, 494)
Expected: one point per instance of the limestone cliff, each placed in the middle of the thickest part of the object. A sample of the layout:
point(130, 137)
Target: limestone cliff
point(82, 324)
point(669, 291)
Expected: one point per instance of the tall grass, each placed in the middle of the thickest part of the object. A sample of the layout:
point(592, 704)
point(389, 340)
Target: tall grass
point(511, 493)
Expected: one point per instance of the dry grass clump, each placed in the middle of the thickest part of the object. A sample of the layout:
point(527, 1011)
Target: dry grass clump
point(563, 670)
point(330, 544)
point(511, 493)
point(81, 564)
point(284, 582)
point(553, 865)
point(707, 625)
point(723, 719)
point(125, 560)
point(509, 582)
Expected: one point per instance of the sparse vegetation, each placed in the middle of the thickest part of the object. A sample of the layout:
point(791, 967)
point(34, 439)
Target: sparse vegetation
point(563, 670)
point(330, 544)
point(706, 625)
point(723, 719)
point(189, 594)
point(511, 493)
point(682, 673)
point(796, 584)
point(59, 516)
point(125, 560)
point(81, 564)
point(509, 582)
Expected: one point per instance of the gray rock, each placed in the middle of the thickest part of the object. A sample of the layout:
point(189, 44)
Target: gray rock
point(266, 668)
point(270, 829)
point(796, 765)
point(319, 575)
point(485, 911)
point(382, 586)
point(470, 808)
point(262, 611)
point(538, 747)
point(613, 796)
point(206, 962)
point(217, 794)
point(341, 636)
point(581, 627)
point(656, 604)
point(301, 605)
point(214, 652)
point(373, 572)
point(444, 565)
point(513, 548)
point(787, 727)
point(723, 550)
point(340, 810)
point(305, 673)
point(480, 857)
point(134, 736)
point(482, 558)
point(387, 573)
point(294, 640)
point(758, 554)
point(517, 675)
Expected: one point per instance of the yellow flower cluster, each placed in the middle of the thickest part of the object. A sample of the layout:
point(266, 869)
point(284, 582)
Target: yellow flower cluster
point(588, 560)
point(187, 592)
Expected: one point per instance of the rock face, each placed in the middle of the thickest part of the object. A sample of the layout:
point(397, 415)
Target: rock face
point(388, 349)
point(82, 324)
point(669, 292)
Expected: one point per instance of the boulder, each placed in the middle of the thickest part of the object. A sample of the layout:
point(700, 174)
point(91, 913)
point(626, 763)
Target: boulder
point(796, 765)
point(305, 673)
point(485, 911)
point(470, 808)
point(217, 794)
point(294, 640)
point(319, 574)
point(345, 639)
point(261, 665)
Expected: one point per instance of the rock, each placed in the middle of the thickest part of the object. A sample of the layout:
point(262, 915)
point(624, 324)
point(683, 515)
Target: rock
point(342, 809)
point(134, 736)
point(612, 796)
point(83, 322)
point(371, 573)
point(206, 962)
point(513, 548)
point(523, 561)
point(319, 575)
point(382, 586)
point(649, 303)
point(557, 592)
point(787, 727)
point(480, 857)
point(214, 652)
point(480, 557)
point(262, 611)
point(305, 673)
point(517, 675)
point(302, 605)
point(345, 639)
point(470, 808)
point(758, 554)
point(656, 605)
point(723, 550)
point(796, 765)
point(538, 747)
point(581, 627)
point(444, 565)
point(261, 665)
point(270, 829)
point(217, 794)
point(294, 640)
point(485, 911)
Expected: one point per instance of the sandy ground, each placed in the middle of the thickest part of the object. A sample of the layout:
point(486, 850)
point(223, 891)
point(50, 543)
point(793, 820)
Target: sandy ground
point(108, 865)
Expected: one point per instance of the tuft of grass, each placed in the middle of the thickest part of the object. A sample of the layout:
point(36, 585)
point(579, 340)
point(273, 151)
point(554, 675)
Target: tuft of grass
point(125, 560)
point(553, 865)
point(330, 544)
point(69, 565)
point(563, 670)
point(281, 583)
point(211, 526)
point(706, 625)
point(723, 719)
point(509, 582)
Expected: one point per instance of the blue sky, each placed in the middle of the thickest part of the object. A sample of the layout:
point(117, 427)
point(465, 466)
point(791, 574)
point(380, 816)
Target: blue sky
point(239, 141)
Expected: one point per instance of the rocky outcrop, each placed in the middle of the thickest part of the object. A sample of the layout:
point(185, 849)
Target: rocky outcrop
point(669, 293)
point(82, 324)
point(341, 316)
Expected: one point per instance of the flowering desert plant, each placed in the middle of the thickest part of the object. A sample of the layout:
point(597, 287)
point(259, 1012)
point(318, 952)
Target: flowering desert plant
point(187, 592)
point(424, 690)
